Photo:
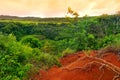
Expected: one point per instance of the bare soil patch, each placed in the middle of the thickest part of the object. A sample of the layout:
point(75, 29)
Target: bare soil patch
point(79, 66)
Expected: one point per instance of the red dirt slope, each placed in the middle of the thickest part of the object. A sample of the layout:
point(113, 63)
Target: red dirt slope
point(81, 67)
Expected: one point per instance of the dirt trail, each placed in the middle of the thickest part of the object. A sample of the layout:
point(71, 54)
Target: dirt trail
point(81, 67)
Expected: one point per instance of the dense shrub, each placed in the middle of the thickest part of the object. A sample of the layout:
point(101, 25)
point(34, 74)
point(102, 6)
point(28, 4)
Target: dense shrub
point(113, 46)
point(67, 51)
point(16, 60)
point(31, 41)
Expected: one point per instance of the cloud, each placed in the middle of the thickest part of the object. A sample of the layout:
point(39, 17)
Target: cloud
point(47, 8)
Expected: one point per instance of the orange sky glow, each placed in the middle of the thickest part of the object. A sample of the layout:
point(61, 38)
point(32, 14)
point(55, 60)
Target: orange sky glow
point(57, 8)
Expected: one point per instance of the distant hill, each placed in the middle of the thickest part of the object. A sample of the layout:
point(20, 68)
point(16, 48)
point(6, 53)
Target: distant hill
point(7, 17)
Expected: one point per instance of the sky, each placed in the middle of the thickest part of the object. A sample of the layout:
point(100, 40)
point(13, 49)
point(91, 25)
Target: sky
point(57, 8)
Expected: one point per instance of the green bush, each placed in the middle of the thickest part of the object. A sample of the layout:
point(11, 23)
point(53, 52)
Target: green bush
point(67, 51)
point(46, 60)
point(13, 59)
point(31, 41)
point(17, 60)
point(113, 46)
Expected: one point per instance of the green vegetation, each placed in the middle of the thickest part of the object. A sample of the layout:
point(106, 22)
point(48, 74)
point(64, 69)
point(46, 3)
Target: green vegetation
point(67, 52)
point(113, 46)
point(28, 44)
point(16, 60)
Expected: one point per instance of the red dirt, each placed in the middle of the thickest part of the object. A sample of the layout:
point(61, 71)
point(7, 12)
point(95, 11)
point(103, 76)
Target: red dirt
point(81, 67)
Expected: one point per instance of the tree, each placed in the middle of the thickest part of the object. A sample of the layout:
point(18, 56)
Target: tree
point(73, 13)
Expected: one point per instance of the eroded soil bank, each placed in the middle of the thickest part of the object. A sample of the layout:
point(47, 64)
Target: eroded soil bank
point(79, 66)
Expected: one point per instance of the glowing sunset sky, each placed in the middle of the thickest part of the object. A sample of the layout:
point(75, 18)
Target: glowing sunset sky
point(57, 8)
